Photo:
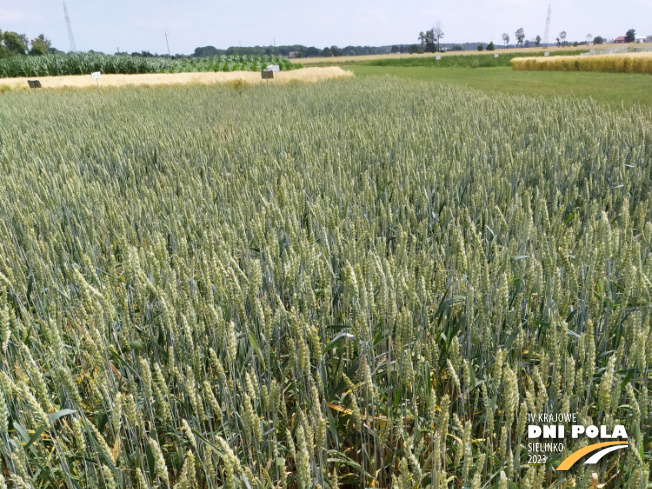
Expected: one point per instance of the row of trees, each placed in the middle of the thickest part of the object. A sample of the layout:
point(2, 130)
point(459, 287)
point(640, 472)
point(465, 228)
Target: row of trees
point(298, 50)
point(14, 44)
point(520, 38)
point(429, 42)
point(430, 39)
point(490, 47)
point(561, 39)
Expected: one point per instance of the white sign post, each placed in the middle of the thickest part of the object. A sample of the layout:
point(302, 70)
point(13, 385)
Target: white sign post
point(96, 76)
point(496, 55)
point(546, 53)
point(438, 58)
point(273, 68)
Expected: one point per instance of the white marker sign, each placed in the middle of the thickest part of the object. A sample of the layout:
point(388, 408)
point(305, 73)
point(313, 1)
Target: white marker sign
point(438, 58)
point(495, 55)
point(273, 68)
point(96, 74)
point(546, 53)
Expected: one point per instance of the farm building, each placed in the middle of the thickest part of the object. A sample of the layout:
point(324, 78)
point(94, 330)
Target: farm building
point(620, 40)
point(648, 39)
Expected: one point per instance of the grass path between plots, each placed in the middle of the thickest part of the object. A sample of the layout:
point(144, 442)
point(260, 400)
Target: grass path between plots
point(617, 90)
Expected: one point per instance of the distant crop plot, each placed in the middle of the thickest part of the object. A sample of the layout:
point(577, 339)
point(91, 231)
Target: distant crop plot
point(312, 74)
point(405, 59)
point(610, 63)
point(85, 63)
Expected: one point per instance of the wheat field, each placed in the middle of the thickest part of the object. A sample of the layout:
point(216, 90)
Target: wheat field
point(356, 283)
point(310, 75)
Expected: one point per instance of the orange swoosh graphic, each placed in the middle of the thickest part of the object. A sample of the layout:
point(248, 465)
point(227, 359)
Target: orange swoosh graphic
point(575, 456)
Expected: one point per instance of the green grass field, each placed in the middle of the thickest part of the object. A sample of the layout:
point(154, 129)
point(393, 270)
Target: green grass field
point(616, 90)
point(467, 60)
point(361, 283)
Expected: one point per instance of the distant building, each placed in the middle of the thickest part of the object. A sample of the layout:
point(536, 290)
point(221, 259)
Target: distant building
point(641, 39)
point(648, 39)
point(293, 54)
point(620, 40)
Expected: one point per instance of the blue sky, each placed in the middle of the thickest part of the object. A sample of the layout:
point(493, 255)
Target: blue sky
point(139, 25)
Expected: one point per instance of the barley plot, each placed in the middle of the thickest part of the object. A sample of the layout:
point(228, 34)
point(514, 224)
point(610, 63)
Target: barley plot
point(357, 283)
point(612, 63)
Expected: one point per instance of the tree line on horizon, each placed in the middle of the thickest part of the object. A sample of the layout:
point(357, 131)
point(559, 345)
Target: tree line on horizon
point(12, 44)
point(430, 40)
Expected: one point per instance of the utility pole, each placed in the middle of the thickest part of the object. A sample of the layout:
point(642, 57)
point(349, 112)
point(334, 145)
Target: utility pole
point(545, 34)
point(71, 38)
point(167, 42)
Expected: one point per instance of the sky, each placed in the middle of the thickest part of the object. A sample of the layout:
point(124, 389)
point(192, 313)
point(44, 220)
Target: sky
point(140, 25)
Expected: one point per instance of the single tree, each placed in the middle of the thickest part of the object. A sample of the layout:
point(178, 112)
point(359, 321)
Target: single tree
point(598, 40)
point(15, 43)
point(558, 42)
point(506, 39)
point(588, 38)
point(480, 47)
point(427, 40)
point(562, 36)
point(40, 46)
point(630, 36)
point(520, 36)
point(438, 33)
point(491, 47)
point(537, 40)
